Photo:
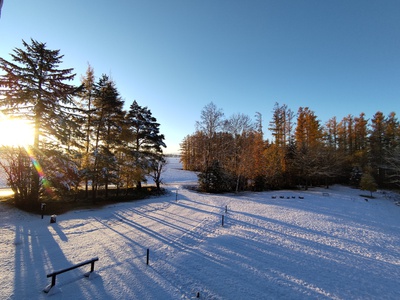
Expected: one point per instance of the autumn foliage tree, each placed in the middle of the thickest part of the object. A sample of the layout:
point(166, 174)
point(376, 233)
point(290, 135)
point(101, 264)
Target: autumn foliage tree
point(302, 151)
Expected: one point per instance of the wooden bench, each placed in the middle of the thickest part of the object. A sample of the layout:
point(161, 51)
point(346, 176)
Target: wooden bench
point(54, 274)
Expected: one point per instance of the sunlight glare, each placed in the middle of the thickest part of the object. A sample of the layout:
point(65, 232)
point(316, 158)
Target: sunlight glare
point(15, 132)
point(4, 192)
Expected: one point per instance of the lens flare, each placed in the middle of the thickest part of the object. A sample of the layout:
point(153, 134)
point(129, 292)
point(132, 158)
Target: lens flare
point(46, 183)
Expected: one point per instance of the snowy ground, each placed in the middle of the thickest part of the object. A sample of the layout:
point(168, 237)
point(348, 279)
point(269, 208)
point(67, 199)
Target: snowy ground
point(336, 246)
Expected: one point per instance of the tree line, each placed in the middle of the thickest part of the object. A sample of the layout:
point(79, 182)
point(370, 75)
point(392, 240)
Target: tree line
point(83, 137)
point(231, 154)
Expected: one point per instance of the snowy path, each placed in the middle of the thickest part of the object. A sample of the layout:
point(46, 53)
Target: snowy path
point(320, 247)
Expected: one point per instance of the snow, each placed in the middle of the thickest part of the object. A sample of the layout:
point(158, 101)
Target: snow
point(337, 246)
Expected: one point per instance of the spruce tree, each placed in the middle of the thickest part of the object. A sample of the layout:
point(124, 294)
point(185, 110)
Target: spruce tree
point(35, 87)
point(368, 183)
point(107, 121)
point(145, 141)
point(87, 98)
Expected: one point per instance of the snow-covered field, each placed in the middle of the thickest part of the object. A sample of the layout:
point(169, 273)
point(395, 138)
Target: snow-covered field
point(337, 246)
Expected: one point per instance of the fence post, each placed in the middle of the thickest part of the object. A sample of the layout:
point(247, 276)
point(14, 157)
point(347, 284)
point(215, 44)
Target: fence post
point(42, 208)
point(222, 220)
point(176, 195)
point(148, 255)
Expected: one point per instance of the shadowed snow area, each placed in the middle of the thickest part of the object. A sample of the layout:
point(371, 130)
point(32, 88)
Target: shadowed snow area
point(332, 244)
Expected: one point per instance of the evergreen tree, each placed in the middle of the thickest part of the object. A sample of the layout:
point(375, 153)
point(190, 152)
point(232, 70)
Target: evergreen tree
point(87, 97)
point(368, 183)
point(35, 87)
point(107, 121)
point(145, 143)
point(392, 163)
point(215, 179)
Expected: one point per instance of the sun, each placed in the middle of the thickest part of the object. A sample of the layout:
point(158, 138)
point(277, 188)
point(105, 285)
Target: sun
point(15, 132)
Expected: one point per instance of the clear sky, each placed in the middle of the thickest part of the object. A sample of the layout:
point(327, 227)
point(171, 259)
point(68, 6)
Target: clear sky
point(337, 57)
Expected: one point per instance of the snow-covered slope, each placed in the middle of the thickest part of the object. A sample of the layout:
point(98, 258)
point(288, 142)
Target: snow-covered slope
point(273, 245)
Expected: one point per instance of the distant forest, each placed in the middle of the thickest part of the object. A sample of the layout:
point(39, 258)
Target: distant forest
point(83, 138)
point(231, 154)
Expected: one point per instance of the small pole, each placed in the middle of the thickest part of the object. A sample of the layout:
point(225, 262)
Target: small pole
point(148, 256)
point(42, 208)
point(176, 195)
point(226, 208)
point(222, 220)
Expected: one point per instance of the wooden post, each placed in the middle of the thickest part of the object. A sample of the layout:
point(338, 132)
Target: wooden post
point(42, 208)
point(148, 256)
point(222, 220)
point(176, 195)
point(226, 208)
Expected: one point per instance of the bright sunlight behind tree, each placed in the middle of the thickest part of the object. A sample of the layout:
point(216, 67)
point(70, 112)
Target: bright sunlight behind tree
point(35, 86)
point(15, 132)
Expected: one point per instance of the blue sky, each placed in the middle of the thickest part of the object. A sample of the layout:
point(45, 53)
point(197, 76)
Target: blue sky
point(335, 57)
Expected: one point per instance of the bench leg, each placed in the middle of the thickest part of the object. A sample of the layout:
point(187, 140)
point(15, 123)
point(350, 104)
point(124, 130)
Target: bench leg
point(53, 283)
point(91, 269)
